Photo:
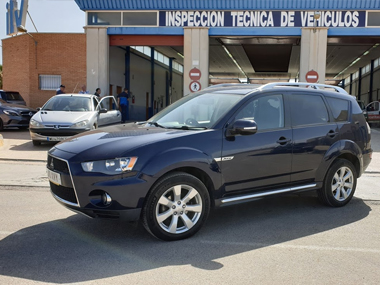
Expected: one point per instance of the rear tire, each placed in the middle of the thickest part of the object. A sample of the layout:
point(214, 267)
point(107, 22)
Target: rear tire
point(176, 207)
point(1, 125)
point(36, 143)
point(339, 185)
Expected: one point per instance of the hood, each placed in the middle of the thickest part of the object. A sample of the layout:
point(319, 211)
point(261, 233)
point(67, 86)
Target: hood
point(16, 107)
point(116, 140)
point(61, 117)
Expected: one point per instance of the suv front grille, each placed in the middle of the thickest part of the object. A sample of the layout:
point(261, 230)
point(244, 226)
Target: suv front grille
point(65, 193)
point(57, 165)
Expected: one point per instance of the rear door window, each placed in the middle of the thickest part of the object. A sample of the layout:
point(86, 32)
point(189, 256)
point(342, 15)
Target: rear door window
point(308, 109)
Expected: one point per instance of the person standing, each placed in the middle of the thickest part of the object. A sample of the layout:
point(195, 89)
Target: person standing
point(97, 92)
point(123, 101)
point(61, 90)
point(84, 91)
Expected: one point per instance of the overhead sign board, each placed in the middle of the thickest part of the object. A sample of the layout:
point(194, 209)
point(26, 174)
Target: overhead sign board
point(339, 19)
point(15, 17)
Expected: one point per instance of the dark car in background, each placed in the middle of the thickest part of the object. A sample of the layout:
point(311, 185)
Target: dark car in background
point(13, 115)
point(12, 97)
point(213, 148)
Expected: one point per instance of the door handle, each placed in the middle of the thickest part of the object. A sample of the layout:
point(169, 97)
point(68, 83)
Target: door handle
point(331, 134)
point(283, 141)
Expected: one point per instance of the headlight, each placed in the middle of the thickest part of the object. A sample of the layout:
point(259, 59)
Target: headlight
point(81, 124)
point(110, 166)
point(35, 124)
point(11, 113)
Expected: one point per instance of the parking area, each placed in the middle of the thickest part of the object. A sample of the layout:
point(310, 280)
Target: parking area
point(283, 240)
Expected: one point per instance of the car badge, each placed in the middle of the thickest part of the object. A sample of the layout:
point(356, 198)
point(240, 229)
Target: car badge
point(31, 114)
point(56, 127)
point(52, 164)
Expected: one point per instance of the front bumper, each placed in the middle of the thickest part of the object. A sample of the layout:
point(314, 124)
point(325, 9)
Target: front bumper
point(15, 121)
point(51, 134)
point(82, 192)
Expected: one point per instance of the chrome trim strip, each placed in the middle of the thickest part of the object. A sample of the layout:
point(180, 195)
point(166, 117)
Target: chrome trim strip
point(258, 195)
point(63, 201)
point(72, 181)
point(226, 158)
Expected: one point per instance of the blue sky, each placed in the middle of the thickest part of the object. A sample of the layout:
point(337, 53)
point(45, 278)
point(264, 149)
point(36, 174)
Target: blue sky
point(58, 16)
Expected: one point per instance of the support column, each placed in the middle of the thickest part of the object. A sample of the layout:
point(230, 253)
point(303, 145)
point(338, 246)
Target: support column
point(196, 53)
point(97, 47)
point(313, 53)
point(127, 71)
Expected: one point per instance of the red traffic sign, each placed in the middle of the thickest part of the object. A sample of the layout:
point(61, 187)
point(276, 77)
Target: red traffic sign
point(195, 86)
point(195, 74)
point(312, 76)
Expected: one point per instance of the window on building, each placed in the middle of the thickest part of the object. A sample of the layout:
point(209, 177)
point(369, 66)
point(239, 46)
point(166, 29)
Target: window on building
point(104, 18)
point(139, 18)
point(49, 82)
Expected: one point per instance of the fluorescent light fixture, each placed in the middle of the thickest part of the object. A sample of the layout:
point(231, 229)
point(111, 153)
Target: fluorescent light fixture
point(356, 60)
point(234, 61)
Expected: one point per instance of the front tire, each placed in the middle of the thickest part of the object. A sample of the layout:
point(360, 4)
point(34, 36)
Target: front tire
point(176, 207)
point(339, 185)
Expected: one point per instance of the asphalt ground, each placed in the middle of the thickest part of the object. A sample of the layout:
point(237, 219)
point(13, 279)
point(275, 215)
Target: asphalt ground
point(290, 239)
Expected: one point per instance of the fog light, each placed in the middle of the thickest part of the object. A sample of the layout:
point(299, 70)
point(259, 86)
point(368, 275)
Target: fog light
point(106, 199)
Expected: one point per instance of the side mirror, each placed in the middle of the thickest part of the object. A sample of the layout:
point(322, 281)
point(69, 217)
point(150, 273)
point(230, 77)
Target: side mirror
point(242, 127)
point(39, 108)
point(103, 111)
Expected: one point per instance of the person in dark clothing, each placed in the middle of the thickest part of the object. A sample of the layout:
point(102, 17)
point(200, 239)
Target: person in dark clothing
point(123, 101)
point(61, 90)
point(97, 92)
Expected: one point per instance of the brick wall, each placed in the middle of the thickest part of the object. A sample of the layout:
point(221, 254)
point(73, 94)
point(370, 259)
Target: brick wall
point(54, 54)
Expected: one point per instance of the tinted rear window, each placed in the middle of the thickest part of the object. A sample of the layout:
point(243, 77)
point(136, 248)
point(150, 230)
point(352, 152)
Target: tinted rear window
point(339, 108)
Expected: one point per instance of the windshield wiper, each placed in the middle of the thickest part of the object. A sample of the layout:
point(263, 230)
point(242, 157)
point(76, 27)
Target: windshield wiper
point(156, 124)
point(184, 127)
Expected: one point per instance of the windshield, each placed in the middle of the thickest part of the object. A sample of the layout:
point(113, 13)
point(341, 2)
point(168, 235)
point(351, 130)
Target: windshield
point(68, 103)
point(196, 111)
point(14, 96)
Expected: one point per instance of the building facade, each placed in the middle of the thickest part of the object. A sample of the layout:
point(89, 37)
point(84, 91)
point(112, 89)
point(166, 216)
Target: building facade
point(37, 64)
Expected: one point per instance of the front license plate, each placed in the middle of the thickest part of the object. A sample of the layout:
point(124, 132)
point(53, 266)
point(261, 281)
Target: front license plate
point(54, 177)
point(55, 139)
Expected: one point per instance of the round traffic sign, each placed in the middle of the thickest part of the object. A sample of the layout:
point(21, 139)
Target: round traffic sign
point(195, 86)
point(195, 74)
point(312, 76)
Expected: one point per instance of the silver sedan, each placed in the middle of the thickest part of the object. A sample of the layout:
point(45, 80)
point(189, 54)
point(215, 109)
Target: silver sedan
point(69, 114)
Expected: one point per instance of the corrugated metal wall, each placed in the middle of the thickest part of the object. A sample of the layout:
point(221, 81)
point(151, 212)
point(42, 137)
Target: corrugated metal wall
point(229, 4)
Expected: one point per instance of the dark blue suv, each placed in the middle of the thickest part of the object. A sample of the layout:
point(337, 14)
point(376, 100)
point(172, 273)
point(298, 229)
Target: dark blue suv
point(213, 148)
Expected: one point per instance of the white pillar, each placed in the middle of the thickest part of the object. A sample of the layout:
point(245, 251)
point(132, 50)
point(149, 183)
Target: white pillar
point(313, 53)
point(97, 60)
point(196, 53)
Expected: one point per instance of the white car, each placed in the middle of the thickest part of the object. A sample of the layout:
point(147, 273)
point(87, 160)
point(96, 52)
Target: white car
point(66, 115)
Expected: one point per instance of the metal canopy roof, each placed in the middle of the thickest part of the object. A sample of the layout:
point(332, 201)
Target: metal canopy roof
point(229, 5)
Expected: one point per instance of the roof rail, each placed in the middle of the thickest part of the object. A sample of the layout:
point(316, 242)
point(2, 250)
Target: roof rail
point(234, 85)
point(303, 84)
